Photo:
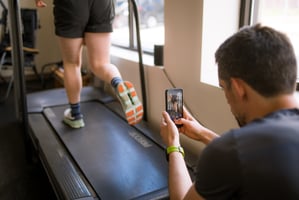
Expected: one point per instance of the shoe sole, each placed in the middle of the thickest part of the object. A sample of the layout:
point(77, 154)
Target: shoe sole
point(130, 103)
point(74, 124)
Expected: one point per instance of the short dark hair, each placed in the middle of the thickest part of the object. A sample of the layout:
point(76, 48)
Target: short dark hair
point(262, 57)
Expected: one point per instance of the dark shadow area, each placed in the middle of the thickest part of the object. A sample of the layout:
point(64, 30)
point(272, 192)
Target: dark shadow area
point(20, 179)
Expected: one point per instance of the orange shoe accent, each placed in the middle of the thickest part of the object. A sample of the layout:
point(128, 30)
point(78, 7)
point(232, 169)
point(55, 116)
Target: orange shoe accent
point(121, 89)
point(130, 113)
point(139, 109)
point(128, 84)
point(133, 94)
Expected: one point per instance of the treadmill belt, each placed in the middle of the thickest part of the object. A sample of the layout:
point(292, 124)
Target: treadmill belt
point(118, 160)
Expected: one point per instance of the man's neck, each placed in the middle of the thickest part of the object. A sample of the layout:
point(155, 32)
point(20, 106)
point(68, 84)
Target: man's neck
point(264, 106)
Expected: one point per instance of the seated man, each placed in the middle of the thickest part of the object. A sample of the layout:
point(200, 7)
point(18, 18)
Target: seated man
point(257, 71)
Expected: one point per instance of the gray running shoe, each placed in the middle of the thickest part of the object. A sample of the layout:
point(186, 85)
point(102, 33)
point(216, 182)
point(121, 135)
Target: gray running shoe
point(71, 121)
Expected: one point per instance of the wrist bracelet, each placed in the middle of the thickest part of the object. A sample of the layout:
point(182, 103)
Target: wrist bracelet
point(171, 149)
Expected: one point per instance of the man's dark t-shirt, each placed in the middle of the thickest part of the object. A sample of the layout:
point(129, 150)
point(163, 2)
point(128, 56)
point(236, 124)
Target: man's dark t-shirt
point(257, 161)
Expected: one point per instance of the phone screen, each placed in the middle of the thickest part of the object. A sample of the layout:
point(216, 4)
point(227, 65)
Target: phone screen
point(174, 102)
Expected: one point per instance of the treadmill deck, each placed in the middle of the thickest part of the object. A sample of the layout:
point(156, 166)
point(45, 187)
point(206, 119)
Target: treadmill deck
point(116, 159)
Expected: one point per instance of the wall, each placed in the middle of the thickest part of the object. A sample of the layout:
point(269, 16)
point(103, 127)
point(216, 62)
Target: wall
point(185, 27)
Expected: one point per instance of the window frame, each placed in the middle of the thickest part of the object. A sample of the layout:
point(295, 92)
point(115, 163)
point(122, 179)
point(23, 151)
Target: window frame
point(132, 45)
point(245, 17)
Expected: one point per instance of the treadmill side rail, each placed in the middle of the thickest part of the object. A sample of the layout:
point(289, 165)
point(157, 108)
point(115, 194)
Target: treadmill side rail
point(64, 175)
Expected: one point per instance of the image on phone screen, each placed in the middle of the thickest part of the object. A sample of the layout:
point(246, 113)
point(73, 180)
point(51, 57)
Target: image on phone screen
point(174, 102)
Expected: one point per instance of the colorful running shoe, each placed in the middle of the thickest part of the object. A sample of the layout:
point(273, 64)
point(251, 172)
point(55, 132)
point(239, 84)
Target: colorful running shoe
point(71, 121)
point(131, 105)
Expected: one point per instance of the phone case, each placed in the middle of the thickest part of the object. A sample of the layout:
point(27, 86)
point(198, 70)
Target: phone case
point(174, 102)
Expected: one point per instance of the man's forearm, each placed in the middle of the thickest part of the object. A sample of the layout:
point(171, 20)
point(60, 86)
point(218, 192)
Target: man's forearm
point(208, 136)
point(179, 178)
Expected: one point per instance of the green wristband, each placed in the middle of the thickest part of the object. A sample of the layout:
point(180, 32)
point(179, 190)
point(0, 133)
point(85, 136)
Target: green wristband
point(171, 149)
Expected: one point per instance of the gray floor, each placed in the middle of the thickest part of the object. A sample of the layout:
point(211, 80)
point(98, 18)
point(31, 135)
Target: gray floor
point(19, 179)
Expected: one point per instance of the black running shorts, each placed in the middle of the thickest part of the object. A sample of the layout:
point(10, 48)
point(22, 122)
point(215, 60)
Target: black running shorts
point(73, 18)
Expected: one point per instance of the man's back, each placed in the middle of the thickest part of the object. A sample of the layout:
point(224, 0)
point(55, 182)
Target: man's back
point(258, 161)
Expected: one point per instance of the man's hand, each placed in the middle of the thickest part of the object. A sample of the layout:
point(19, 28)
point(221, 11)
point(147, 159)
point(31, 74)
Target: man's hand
point(169, 131)
point(193, 129)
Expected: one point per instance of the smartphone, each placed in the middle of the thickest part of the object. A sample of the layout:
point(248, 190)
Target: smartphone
point(174, 103)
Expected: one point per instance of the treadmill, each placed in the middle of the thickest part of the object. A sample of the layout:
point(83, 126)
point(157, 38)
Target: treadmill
point(107, 159)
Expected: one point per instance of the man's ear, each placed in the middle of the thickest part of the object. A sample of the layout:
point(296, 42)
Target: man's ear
point(238, 86)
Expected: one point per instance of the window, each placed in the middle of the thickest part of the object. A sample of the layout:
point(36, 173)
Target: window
point(151, 24)
point(220, 20)
point(282, 15)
